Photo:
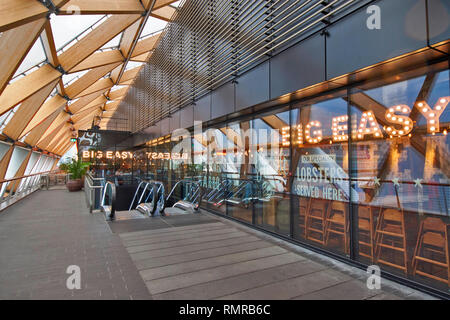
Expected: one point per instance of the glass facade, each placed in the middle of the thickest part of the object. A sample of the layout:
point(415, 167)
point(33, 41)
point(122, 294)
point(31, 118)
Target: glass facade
point(320, 165)
point(361, 172)
point(400, 190)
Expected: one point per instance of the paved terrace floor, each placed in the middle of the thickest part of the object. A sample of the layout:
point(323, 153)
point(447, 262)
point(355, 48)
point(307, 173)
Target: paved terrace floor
point(180, 257)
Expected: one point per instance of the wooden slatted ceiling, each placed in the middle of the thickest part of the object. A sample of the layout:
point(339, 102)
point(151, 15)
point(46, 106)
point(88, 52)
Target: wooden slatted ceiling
point(52, 139)
point(64, 148)
point(118, 93)
point(115, 73)
point(87, 120)
point(82, 124)
point(127, 83)
point(14, 13)
point(99, 101)
point(62, 143)
point(119, 99)
point(82, 115)
point(108, 114)
point(60, 137)
point(142, 57)
point(103, 6)
point(162, 3)
point(45, 140)
point(88, 79)
point(87, 116)
point(62, 118)
point(164, 13)
point(49, 44)
point(95, 40)
point(51, 106)
point(22, 21)
point(19, 41)
point(99, 85)
point(33, 137)
point(146, 4)
point(112, 106)
point(99, 59)
point(5, 162)
point(129, 36)
point(84, 101)
point(19, 173)
point(130, 74)
point(21, 89)
point(146, 45)
point(26, 112)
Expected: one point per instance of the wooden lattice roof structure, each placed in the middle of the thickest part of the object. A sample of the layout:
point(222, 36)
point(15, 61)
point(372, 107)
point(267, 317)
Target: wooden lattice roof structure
point(39, 108)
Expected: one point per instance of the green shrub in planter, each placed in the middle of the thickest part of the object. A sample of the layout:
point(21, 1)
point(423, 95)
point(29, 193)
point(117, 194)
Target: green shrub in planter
point(76, 170)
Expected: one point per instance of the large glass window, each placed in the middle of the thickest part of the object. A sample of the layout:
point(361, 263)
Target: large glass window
point(214, 144)
point(363, 173)
point(320, 188)
point(270, 171)
point(400, 168)
point(238, 158)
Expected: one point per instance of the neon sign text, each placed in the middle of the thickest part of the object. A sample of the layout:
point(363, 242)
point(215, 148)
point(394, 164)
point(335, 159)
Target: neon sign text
point(398, 119)
point(130, 155)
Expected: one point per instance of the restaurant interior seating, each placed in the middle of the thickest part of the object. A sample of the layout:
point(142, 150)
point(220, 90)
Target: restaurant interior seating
point(316, 221)
point(366, 232)
point(390, 239)
point(304, 204)
point(337, 223)
point(431, 256)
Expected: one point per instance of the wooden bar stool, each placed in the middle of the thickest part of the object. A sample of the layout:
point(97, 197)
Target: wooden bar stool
point(432, 250)
point(303, 207)
point(365, 230)
point(315, 220)
point(337, 222)
point(390, 237)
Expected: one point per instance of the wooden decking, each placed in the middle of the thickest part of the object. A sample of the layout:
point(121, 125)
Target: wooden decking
point(191, 256)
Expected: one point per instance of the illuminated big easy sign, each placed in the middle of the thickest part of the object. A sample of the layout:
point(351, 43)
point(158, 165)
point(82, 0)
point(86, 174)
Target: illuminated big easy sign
point(397, 116)
point(130, 155)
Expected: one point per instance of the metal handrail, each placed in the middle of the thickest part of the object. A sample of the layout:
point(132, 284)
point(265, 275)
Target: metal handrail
point(112, 209)
point(237, 193)
point(14, 189)
point(157, 194)
point(143, 192)
point(136, 193)
point(90, 188)
point(156, 200)
point(27, 176)
point(198, 197)
point(92, 178)
point(158, 183)
point(219, 190)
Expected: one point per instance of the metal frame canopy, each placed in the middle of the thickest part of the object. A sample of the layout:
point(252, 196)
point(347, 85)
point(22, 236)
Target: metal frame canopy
point(43, 104)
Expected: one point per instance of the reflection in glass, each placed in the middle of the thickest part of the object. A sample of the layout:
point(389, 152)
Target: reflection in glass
point(320, 177)
point(401, 177)
point(270, 171)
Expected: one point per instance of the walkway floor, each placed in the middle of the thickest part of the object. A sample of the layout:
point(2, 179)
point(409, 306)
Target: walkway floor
point(180, 257)
point(45, 233)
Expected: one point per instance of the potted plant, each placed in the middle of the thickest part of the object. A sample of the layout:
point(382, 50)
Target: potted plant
point(63, 166)
point(76, 170)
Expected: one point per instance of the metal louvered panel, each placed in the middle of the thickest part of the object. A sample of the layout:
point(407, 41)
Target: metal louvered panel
point(212, 42)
